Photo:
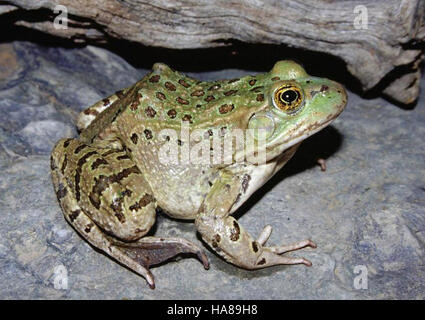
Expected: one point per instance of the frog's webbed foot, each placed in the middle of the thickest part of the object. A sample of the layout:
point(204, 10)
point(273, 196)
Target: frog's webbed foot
point(151, 251)
point(272, 255)
point(229, 239)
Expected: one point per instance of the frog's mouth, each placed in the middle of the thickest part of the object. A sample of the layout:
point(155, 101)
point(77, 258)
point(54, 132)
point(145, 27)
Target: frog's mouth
point(303, 132)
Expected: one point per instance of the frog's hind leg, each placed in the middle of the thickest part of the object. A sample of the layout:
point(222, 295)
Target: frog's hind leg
point(88, 115)
point(151, 251)
point(106, 199)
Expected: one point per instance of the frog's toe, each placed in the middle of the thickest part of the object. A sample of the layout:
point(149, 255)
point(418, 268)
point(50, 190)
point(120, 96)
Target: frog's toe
point(294, 246)
point(151, 251)
point(203, 258)
point(265, 235)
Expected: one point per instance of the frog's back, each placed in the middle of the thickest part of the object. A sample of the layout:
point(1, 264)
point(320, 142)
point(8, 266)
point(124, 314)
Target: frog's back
point(168, 97)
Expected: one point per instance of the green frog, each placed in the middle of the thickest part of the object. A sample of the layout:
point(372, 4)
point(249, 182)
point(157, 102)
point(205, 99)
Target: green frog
point(131, 159)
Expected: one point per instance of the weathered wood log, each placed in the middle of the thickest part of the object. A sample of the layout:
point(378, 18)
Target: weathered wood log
point(381, 41)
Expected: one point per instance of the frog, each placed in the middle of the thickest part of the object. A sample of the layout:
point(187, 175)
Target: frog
point(111, 180)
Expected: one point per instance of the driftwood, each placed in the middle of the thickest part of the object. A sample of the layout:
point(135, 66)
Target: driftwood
point(385, 55)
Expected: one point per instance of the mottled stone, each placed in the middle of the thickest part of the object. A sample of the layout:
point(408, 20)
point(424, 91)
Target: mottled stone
point(366, 209)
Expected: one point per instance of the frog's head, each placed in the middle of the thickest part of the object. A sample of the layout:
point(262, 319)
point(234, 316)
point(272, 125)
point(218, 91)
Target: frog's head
point(298, 105)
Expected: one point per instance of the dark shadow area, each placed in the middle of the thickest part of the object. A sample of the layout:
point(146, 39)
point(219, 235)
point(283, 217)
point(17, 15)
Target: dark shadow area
point(230, 54)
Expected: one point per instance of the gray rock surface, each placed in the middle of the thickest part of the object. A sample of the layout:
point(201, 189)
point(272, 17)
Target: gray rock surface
point(367, 209)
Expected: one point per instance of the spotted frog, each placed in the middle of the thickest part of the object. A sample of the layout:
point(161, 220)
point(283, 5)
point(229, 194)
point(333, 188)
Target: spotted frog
point(111, 180)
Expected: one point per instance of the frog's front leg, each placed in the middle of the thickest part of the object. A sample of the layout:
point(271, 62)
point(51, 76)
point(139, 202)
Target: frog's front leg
point(228, 238)
point(105, 197)
point(88, 115)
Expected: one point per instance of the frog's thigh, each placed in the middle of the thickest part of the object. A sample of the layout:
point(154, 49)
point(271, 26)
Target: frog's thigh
point(108, 187)
point(102, 189)
point(88, 115)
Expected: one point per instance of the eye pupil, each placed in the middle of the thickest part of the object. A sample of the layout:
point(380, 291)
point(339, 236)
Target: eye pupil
point(289, 96)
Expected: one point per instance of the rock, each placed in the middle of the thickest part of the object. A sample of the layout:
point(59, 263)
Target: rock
point(366, 212)
point(380, 42)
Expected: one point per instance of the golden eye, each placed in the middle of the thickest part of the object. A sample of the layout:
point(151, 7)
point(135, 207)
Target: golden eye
point(288, 98)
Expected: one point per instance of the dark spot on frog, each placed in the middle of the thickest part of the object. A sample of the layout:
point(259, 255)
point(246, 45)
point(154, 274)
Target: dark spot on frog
point(154, 78)
point(160, 96)
point(78, 171)
point(74, 215)
point(170, 86)
point(187, 117)
point(134, 105)
point(245, 182)
point(252, 82)
point(275, 79)
point(172, 113)
point(216, 240)
point(66, 143)
point(255, 246)
point(260, 97)
point(62, 191)
point(143, 202)
point(223, 131)
point(119, 94)
point(88, 227)
point(230, 92)
point(209, 98)
point(106, 102)
point(52, 163)
point(233, 80)
point(324, 88)
point(91, 111)
point(257, 89)
point(179, 142)
point(150, 112)
point(261, 262)
point(214, 87)
point(148, 134)
point(198, 106)
point(134, 138)
point(117, 207)
point(123, 157)
point(80, 148)
point(182, 101)
point(225, 108)
point(64, 164)
point(184, 83)
point(210, 183)
point(98, 162)
point(197, 93)
point(234, 234)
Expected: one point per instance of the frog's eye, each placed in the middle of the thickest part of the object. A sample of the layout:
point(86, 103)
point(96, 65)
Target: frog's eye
point(288, 98)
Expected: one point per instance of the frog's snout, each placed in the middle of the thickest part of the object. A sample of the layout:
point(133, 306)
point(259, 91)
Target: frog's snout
point(328, 96)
